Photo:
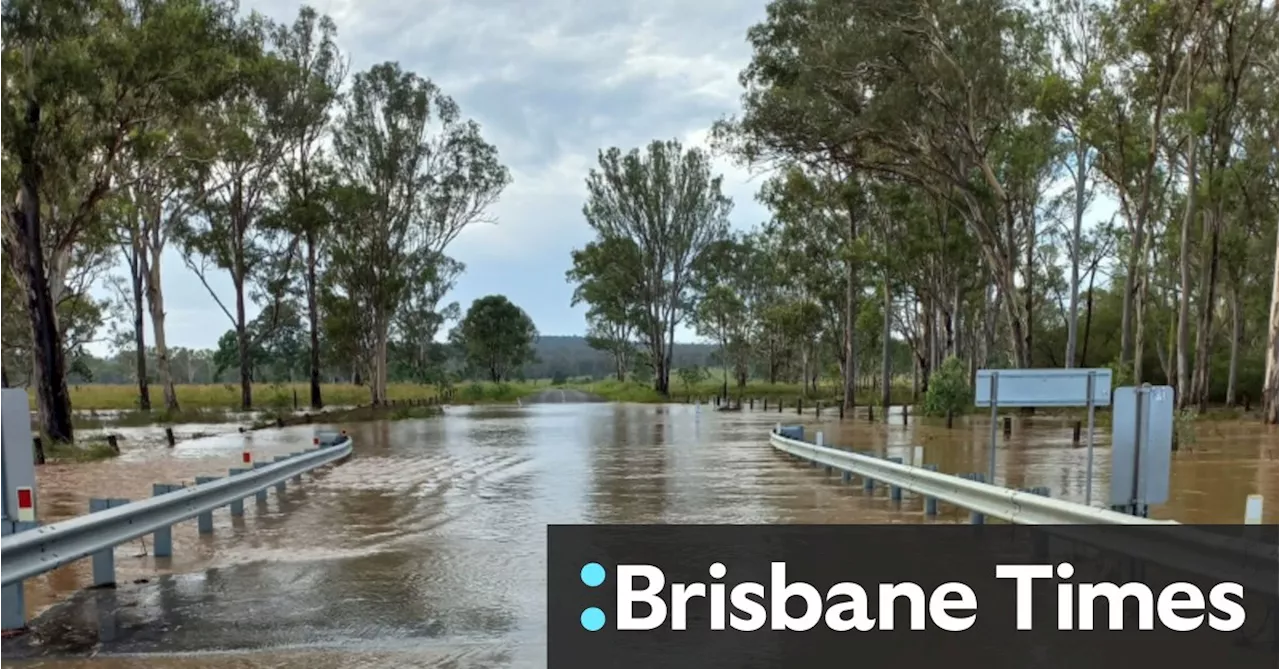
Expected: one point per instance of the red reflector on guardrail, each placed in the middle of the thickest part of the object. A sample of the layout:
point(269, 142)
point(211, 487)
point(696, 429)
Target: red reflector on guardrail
point(26, 505)
point(315, 441)
point(247, 458)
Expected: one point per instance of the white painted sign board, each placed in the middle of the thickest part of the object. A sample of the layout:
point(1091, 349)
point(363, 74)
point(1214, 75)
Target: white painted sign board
point(1043, 387)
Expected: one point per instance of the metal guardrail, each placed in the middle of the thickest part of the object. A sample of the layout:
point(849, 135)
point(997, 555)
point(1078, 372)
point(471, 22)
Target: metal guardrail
point(993, 501)
point(42, 549)
point(1165, 542)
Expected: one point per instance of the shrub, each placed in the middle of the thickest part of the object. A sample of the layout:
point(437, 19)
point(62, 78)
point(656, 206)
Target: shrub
point(949, 389)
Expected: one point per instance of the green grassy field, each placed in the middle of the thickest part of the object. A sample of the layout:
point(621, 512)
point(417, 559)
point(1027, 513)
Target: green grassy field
point(204, 403)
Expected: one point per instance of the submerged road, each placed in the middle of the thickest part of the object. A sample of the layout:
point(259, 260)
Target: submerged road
point(427, 548)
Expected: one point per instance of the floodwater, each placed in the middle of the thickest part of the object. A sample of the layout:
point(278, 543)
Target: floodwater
point(427, 547)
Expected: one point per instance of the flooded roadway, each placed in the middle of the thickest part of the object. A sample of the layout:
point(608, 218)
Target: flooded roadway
point(427, 547)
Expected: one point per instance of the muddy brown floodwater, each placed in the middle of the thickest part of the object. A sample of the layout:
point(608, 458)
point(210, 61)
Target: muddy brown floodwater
point(427, 547)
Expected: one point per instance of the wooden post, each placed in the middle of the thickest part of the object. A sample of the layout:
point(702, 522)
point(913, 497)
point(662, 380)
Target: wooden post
point(871, 416)
point(751, 404)
point(38, 446)
point(1075, 433)
point(949, 419)
point(842, 409)
point(817, 408)
point(799, 405)
point(1008, 426)
point(905, 413)
point(114, 443)
point(168, 436)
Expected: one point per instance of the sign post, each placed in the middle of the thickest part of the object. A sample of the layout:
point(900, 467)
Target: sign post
point(1090, 388)
point(1141, 448)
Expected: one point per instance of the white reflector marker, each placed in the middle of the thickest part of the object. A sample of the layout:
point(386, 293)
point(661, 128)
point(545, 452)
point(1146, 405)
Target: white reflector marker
point(1253, 510)
point(26, 505)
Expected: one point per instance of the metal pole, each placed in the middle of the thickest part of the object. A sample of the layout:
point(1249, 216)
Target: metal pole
point(1088, 467)
point(991, 465)
point(1139, 397)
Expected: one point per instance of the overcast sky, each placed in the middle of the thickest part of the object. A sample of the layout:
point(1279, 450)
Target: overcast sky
point(551, 82)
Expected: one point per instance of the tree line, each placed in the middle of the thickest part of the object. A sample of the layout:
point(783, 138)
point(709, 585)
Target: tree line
point(934, 164)
point(136, 126)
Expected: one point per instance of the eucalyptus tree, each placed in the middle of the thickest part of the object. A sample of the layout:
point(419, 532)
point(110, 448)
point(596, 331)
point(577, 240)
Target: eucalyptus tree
point(416, 173)
point(314, 71)
point(666, 201)
point(609, 278)
point(81, 78)
point(236, 230)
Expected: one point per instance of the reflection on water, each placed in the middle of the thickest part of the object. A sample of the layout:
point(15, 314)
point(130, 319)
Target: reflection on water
point(426, 548)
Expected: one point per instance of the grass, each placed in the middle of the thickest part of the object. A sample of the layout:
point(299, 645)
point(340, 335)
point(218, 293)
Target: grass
point(85, 451)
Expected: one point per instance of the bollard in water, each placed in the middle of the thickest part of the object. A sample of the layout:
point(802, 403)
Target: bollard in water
point(114, 443)
point(949, 419)
point(162, 539)
point(871, 416)
point(1008, 426)
point(779, 405)
point(931, 503)
point(168, 436)
point(751, 404)
point(799, 406)
point(841, 409)
point(905, 414)
point(1075, 433)
point(204, 521)
point(766, 404)
point(817, 408)
point(895, 492)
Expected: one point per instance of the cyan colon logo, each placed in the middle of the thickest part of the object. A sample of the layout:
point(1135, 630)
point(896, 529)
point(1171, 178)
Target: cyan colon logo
point(592, 576)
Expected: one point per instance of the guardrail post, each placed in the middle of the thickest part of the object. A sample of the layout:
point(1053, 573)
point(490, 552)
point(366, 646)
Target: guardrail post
point(261, 496)
point(846, 476)
point(104, 561)
point(280, 487)
point(976, 518)
point(868, 484)
point(895, 492)
point(931, 503)
point(237, 507)
point(162, 540)
point(13, 609)
point(204, 521)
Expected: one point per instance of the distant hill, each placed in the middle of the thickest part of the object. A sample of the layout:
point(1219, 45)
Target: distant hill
point(572, 357)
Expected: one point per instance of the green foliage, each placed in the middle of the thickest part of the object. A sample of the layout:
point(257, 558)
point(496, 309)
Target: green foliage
point(497, 336)
point(949, 390)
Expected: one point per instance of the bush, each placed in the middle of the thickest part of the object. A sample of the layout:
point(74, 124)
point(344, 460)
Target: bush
point(948, 389)
point(558, 378)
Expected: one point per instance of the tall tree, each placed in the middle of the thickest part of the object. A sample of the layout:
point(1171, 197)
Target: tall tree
point(234, 232)
point(80, 76)
point(497, 336)
point(314, 71)
point(668, 204)
point(417, 174)
point(609, 276)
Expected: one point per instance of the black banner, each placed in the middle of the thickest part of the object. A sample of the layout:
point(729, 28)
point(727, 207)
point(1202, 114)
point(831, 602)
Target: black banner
point(914, 596)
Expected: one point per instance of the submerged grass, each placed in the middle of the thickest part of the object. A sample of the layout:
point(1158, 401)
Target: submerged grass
point(84, 451)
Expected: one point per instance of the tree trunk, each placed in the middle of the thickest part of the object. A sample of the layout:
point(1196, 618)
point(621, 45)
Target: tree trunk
point(1073, 311)
point(886, 337)
point(242, 344)
point(1182, 385)
point(155, 300)
point(1271, 378)
point(139, 334)
point(26, 254)
point(1237, 333)
point(313, 321)
point(1208, 284)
